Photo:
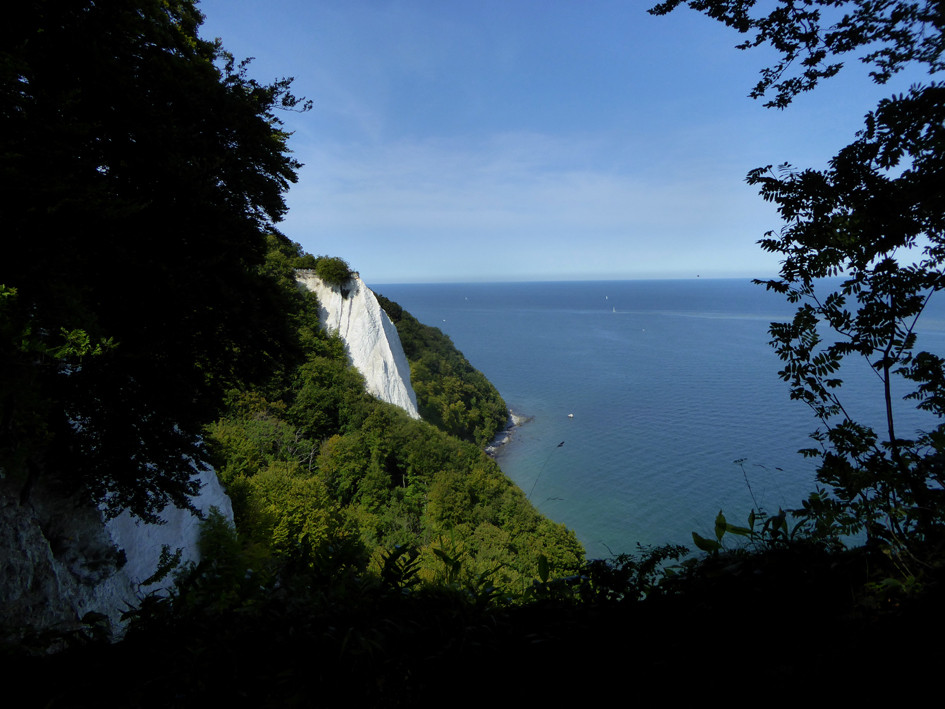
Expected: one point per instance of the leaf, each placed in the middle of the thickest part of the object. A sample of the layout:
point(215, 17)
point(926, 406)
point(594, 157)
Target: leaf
point(720, 526)
point(741, 531)
point(543, 568)
point(707, 545)
point(443, 556)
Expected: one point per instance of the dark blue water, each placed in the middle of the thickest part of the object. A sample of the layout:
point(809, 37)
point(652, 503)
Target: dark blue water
point(670, 383)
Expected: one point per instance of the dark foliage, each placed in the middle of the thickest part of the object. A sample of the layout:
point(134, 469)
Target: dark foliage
point(875, 218)
point(753, 627)
point(140, 170)
point(811, 37)
point(884, 230)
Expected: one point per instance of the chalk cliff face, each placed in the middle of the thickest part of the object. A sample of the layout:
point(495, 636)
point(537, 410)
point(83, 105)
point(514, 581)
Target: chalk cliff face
point(142, 543)
point(61, 561)
point(371, 338)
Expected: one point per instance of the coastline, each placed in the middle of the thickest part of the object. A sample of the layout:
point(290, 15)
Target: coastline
point(505, 435)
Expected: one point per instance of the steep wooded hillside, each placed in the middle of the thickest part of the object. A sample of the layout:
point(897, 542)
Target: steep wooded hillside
point(323, 474)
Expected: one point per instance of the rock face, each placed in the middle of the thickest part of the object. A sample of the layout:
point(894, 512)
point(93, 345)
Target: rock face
point(60, 560)
point(370, 337)
point(143, 543)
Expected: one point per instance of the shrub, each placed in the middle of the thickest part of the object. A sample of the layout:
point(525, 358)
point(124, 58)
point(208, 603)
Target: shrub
point(332, 270)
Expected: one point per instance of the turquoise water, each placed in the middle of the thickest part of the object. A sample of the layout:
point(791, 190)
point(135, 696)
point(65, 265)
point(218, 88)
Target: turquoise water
point(669, 383)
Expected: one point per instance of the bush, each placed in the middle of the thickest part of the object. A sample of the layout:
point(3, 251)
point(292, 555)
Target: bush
point(332, 270)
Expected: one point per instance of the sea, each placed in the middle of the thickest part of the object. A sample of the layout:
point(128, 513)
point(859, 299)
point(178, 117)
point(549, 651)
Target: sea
point(650, 406)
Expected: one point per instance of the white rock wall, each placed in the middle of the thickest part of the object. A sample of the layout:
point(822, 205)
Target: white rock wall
point(142, 542)
point(371, 338)
point(60, 561)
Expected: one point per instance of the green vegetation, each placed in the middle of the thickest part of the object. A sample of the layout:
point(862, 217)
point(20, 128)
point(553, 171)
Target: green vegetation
point(120, 355)
point(874, 217)
point(332, 270)
point(378, 560)
point(125, 360)
point(451, 394)
point(324, 475)
point(141, 171)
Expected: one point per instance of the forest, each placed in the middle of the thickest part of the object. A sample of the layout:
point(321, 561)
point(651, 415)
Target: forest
point(323, 474)
point(150, 318)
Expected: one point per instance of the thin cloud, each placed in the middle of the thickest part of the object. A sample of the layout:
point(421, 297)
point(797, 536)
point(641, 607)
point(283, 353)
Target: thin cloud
point(518, 195)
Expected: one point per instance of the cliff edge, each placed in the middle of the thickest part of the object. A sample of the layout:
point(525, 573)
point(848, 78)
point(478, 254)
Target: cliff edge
point(351, 310)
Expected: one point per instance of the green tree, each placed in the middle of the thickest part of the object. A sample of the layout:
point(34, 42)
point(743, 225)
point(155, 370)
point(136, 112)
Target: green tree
point(451, 394)
point(140, 172)
point(810, 38)
point(876, 219)
point(332, 270)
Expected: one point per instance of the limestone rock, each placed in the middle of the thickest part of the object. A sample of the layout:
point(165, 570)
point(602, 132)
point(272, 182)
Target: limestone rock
point(142, 543)
point(370, 337)
point(61, 560)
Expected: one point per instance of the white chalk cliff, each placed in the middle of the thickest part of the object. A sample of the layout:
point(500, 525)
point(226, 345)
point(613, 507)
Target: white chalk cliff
point(143, 542)
point(60, 560)
point(373, 345)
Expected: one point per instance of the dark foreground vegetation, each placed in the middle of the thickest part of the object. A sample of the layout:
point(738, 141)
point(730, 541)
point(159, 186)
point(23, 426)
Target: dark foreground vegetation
point(775, 627)
point(383, 561)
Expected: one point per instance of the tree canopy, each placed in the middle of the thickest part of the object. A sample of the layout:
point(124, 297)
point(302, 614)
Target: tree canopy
point(812, 37)
point(329, 479)
point(332, 270)
point(875, 218)
point(140, 171)
point(451, 393)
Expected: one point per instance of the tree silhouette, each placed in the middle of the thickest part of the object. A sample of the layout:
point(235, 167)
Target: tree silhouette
point(876, 219)
point(141, 170)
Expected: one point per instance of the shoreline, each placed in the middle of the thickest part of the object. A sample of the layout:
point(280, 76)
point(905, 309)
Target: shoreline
point(504, 436)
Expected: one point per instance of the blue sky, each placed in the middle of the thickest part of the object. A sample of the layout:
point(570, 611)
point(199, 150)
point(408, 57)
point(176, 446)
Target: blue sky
point(521, 140)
